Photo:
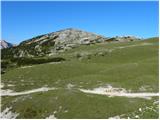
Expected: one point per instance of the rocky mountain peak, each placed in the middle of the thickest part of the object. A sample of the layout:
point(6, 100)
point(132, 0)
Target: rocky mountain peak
point(63, 40)
point(60, 41)
point(69, 35)
point(5, 44)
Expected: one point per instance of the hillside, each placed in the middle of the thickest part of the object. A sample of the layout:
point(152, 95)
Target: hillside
point(53, 43)
point(117, 78)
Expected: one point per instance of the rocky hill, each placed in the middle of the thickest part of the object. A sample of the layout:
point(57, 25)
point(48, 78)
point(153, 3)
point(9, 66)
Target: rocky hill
point(5, 44)
point(60, 41)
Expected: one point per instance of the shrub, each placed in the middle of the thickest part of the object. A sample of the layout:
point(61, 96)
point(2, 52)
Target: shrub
point(78, 55)
point(29, 61)
point(4, 64)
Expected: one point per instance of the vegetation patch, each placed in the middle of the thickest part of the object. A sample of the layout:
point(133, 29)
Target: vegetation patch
point(30, 61)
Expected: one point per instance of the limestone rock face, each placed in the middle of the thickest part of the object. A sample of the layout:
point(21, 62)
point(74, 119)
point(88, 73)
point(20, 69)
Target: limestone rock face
point(5, 44)
point(55, 42)
point(65, 38)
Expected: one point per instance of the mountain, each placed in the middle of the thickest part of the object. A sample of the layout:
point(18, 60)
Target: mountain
point(73, 74)
point(66, 36)
point(5, 44)
point(103, 80)
point(53, 43)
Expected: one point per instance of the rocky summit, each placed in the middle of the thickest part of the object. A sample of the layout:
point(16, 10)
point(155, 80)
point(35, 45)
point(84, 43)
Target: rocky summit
point(60, 41)
point(5, 44)
point(65, 37)
point(64, 40)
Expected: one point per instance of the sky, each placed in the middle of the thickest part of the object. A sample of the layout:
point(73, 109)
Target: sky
point(27, 19)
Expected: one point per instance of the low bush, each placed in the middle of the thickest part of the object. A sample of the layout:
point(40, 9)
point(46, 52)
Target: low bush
point(29, 61)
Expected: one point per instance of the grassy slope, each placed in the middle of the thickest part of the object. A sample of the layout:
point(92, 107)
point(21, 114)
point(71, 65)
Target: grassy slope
point(130, 68)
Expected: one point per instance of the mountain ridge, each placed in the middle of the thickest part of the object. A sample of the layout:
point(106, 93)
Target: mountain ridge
point(52, 43)
point(5, 44)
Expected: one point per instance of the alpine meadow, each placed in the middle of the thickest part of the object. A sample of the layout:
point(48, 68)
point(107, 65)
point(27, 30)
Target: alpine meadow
point(72, 72)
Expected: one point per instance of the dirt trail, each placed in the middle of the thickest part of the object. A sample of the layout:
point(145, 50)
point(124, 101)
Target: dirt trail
point(108, 90)
point(12, 93)
point(26, 66)
point(126, 46)
point(121, 92)
point(142, 44)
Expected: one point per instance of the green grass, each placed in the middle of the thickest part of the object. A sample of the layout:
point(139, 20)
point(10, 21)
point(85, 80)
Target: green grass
point(77, 104)
point(129, 68)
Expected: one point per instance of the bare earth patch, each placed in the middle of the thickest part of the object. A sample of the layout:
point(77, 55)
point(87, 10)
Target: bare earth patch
point(70, 86)
point(115, 117)
point(51, 117)
point(121, 92)
point(26, 66)
point(142, 44)
point(12, 93)
point(8, 114)
point(122, 47)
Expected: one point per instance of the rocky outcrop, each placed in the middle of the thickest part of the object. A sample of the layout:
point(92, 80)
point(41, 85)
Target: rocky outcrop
point(65, 39)
point(5, 44)
point(122, 39)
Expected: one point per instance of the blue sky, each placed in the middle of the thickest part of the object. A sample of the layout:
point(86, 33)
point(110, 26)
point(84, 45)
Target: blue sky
point(24, 20)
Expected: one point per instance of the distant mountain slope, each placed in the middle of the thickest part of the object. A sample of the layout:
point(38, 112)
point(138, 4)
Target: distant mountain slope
point(123, 39)
point(5, 44)
point(60, 41)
